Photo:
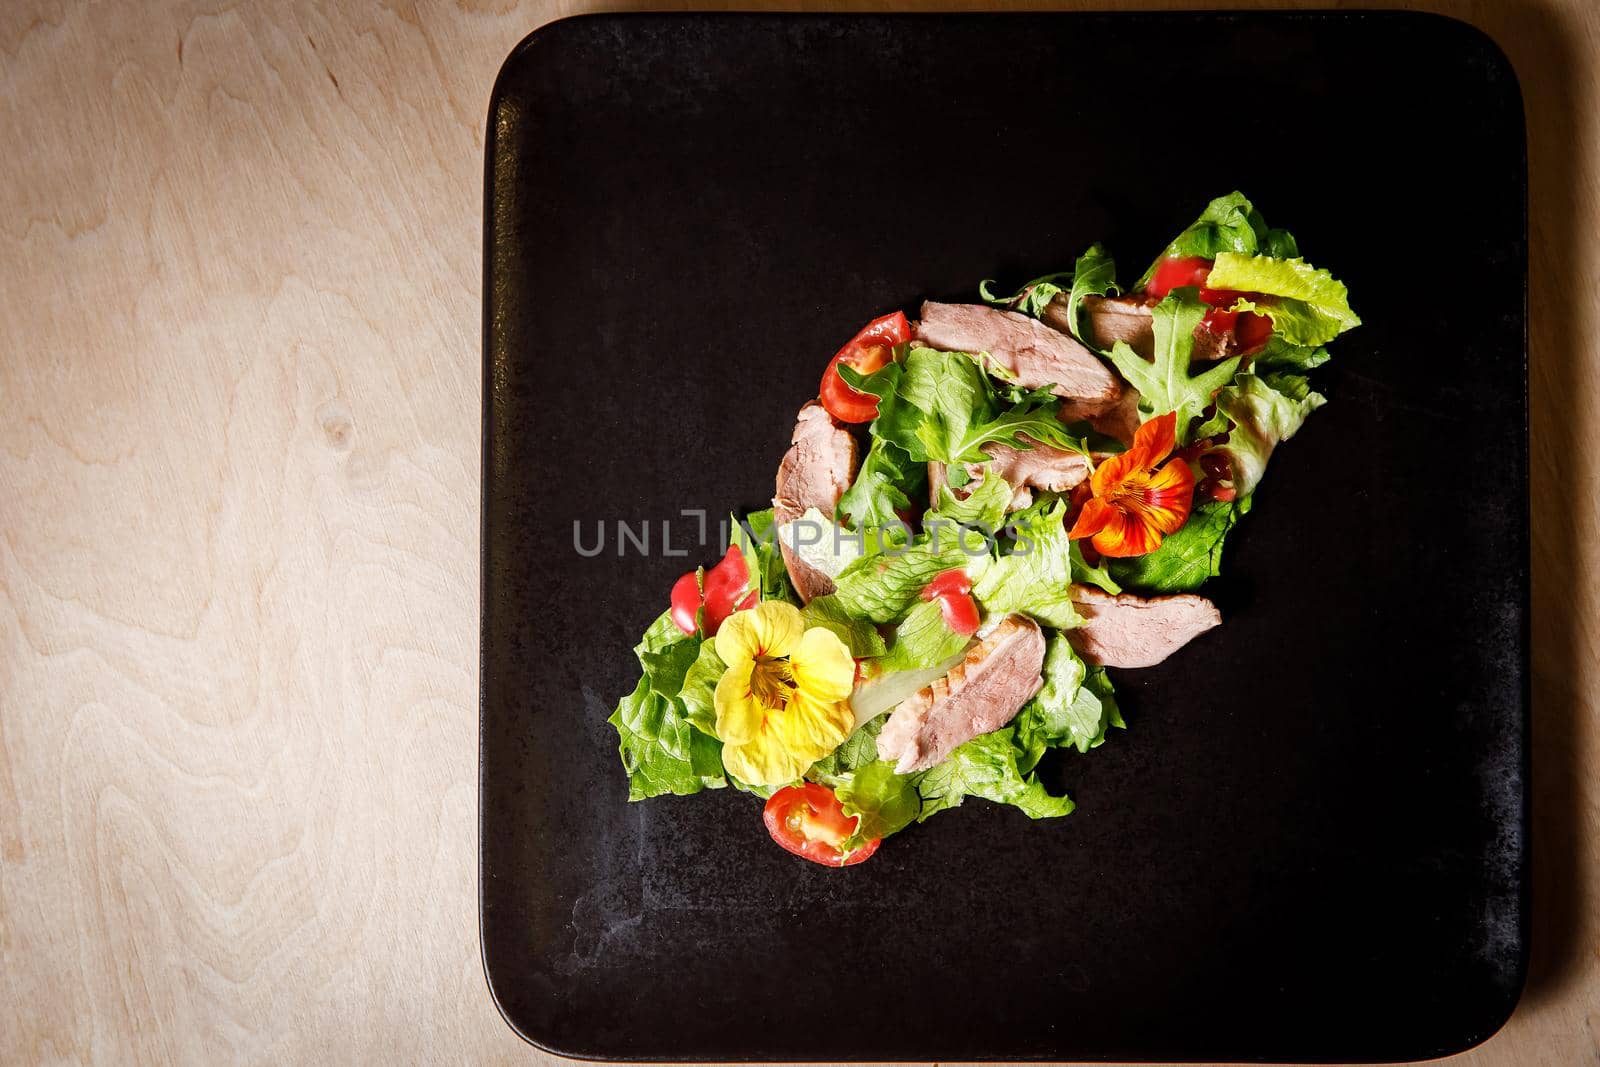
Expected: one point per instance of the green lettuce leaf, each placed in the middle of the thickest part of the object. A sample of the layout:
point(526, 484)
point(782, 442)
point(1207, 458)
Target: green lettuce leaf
point(1264, 411)
point(1165, 383)
point(1280, 355)
point(1074, 707)
point(987, 767)
point(923, 640)
point(888, 480)
point(884, 587)
point(1035, 577)
point(858, 750)
point(984, 506)
point(884, 801)
point(700, 687)
point(1187, 558)
point(1307, 305)
point(660, 750)
point(860, 636)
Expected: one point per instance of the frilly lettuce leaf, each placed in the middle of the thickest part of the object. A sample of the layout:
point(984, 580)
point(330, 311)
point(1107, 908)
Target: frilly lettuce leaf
point(987, 767)
point(1307, 305)
point(1035, 577)
point(884, 802)
point(1262, 416)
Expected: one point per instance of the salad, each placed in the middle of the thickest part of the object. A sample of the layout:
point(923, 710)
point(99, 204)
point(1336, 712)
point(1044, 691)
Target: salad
point(983, 510)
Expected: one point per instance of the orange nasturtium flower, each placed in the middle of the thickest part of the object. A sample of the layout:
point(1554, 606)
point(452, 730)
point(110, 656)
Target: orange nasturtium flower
point(1137, 501)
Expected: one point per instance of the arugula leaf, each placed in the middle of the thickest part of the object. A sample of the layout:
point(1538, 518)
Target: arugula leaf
point(698, 695)
point(1308, 306)
point(1073, 708)
point(1228, 224)
point(1035, 578)
point(859, 635)
point(885, 586)
point(1187, 558)
point(1264, 412)
point(1032, 298)
point(923, 640)
point(660, 751)
point(1032, 420)
point(987, 767)
point(886, 802)
point(1096, 273)
point(884, 486)
point(757, 538)
point(1165, 384)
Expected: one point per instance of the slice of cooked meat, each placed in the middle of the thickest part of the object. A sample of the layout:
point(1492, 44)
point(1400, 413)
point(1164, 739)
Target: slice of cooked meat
point(1027, 469)
point(1132, 631)
point(1031, 352)
point(980, 694)
point(1127, 318)
point(815, 472)
point(1120, 421)
point(1039, 467)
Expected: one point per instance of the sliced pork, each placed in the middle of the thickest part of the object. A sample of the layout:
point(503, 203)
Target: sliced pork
point(815, 472)
point(1128, 319)
point(1134, 631)
point(1026, 469)
point(979, 695)
point(1120, 421)
point(1031, 352)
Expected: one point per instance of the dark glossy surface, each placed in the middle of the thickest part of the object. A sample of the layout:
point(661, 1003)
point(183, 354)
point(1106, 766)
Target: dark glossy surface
point(1311, 841)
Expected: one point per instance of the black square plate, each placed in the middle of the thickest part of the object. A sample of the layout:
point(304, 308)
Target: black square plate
point(1311, 841)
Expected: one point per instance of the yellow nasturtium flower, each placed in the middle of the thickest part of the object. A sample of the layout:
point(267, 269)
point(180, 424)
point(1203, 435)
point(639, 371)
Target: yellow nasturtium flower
point(784, 702)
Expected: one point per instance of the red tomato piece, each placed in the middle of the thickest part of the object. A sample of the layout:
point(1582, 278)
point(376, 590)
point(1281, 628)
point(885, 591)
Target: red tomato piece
point(720, 591)
point(869, 350)
point(807, 820)
point(1253, 331)
point(725, 586)
point(1176, 273)
point(960, 613)
point(954, 580)
point(686, 602)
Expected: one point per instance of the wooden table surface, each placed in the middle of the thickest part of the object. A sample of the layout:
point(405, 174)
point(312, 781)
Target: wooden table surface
point(239, 476)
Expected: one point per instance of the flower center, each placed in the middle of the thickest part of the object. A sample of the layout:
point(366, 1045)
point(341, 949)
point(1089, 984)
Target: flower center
point(772, 683)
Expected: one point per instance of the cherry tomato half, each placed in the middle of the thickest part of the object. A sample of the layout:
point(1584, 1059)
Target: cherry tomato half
point(960, 613)
point(952, 590)
point(721, 591)
point(807, 820)
point(954, 580)
point(868, 351)
point(1176, 273)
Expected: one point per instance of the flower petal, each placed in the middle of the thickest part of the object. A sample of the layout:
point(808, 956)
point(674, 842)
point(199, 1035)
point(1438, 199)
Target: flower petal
point(764, 760)
point(771, 628)
point(1114, 471)
point(1092, 519)
point(810, 729)
point(739, 713)
point(1166, 498)
point(822, 666)
point(1157, 437)
point(1124, 535)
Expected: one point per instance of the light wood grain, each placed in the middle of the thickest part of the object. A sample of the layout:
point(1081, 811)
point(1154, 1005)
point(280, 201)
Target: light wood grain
point(239, 463)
